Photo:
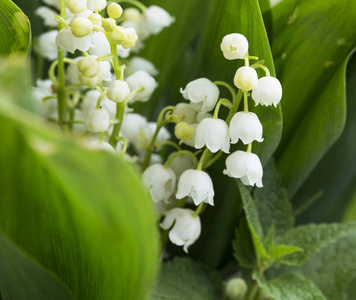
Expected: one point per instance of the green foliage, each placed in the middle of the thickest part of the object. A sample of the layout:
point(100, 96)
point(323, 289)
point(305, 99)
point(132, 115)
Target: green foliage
point(311, 67)
point(185, 279)
point(15, 32)
point(311, 238)
point(21, 278)
point(71, 209)
point(291, 287)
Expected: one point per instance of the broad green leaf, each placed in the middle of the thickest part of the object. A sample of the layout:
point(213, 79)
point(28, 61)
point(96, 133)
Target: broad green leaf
point(253, 223)
point(15, 31)
point(333, 268)
point(311, 44)
point(82, 214)
point(272, 202)
point(335, 175)
point(184, 279)
point(311, 238)
point(243, 246)
point(279, 251)
point(292, 287)
point(21, 278)
point(29, 8)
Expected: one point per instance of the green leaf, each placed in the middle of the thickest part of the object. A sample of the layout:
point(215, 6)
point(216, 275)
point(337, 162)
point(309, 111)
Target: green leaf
point(311, 44)
point(15, 31)
point(292, 287)
point(184, 279)
point(311, 238)
point(333, 268)
point(272, 202)
point(82, 214)
point(253, 223)
point(277, 252)
point(21, 278)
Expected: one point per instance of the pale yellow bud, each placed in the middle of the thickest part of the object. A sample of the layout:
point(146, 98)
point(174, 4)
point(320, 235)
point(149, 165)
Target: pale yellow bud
point(114, 10)
point(76, 6)
point(236, 289)
point(81, 27)
point(109, 24)
point(130, 38)
point(183, 131)
point(117, 35)
point(88, 66)
point(91, 82)
point(131, 14)
point(96, 19)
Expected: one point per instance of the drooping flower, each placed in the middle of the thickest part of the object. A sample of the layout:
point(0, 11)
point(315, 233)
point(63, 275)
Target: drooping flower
point(201, 92)
point(186, 113)
point(196, 184)
point(141, 79)
point(186, 229)
point(47, 15)
point(214, 133)
point(99, 44)
point(245, 126)
point(268, 92)
point(234, 46)
point(47, 46)
point(180, 163)
point(159, 181)
point(118, 91)
point(139, 63)
point(154, 19)
point(246, 166)
point(97, 120)
point(246, 79)
point(67, 41)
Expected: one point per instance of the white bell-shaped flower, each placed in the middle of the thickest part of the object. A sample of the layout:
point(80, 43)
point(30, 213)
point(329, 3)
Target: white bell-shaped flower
point(76, 6)
point(246, 166)
point(47, 15)
point(123, 53)
point(268, 92)
point(132, 124)
point(47, 46)
point(97, 120)
point(180, 163)
point(246, 79)
point(186, 227)
point(67, 41)
point(99, 44)
point(118, 91)
point(54, 3)
point(139, 63)
point(142, 139)
point(234, 46)
point(154, 19)
point(245, 126)
point(160, 182)
point(92, 4)
point(214, 133)
point(202, 92)
point(141, 79)
point(197, 185)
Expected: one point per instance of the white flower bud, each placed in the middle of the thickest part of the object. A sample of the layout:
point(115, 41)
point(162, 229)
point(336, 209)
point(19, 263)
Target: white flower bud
point(47, 46)
point(100, 3)
point(268, 92)
point(91, 82)
point(99, 44)
point(236, 288)
point(234, 46)
point(214, 133)
point(81, 27)
point(203, 92)
point(109, 24)
point(117, 35)
point(245, 126)
point(183, 131)
point(197, 185)
point(67, 41)
point(139, 63)
point(246, 78)
point(114, 10)
point(97, 120)
point(88, 66)
point(118, 91)
point(141, 79)
point(186, 113)
point(154, 19)
point(160, 182)
point(130, 38)
point(186, 227)
point(246, 166)
point(96, 19)
point(76, 6)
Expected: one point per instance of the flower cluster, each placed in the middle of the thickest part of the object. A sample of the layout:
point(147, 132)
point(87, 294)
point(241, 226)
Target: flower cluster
point(92, 95)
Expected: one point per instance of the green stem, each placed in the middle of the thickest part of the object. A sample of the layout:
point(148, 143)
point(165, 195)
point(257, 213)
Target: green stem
point(235, 105)
point(206, 154)
point(224, 102)
point(252, 291)
point(120, 110)
point(138, 4)
point(198, 210)
point(249, 148)
point(228, 86)
point(214, 159)
point(245, 102)
point(168, 143)
point(263, 67)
